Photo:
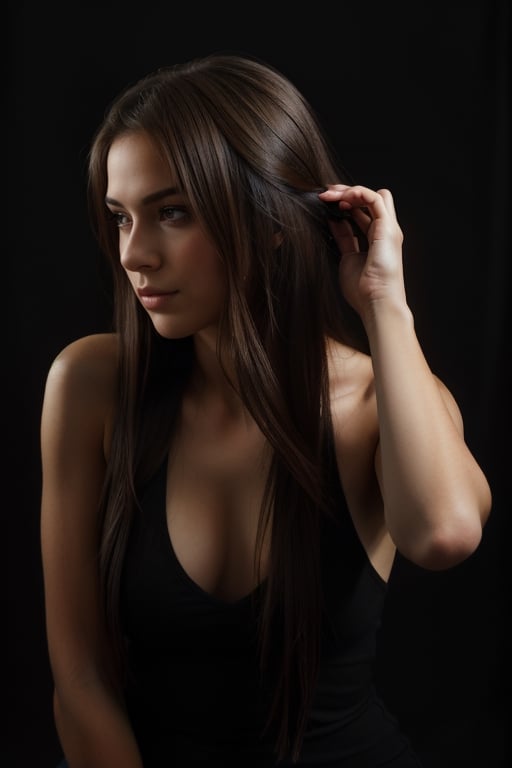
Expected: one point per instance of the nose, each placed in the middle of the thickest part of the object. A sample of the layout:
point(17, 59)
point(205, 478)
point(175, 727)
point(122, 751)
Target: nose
point(138, 250)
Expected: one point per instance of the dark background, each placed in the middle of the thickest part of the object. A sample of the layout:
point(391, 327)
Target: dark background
point(415, 98)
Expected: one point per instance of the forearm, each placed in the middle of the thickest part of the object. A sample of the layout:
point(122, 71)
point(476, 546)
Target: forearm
point(94, 731)
point(435, 495)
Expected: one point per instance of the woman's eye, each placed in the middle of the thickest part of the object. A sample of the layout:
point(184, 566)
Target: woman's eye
point(169, 213)
point(172, 213)
point(118, 219)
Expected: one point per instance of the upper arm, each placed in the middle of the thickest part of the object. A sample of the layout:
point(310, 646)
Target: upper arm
point(77, 407)
point(452, 408)
point(451, 405)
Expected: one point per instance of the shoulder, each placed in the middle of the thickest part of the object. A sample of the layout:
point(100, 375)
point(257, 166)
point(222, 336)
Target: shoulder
point(90, 357)
point(351, 384)
point(354, 414)
point(87, 367)
point(81, 385)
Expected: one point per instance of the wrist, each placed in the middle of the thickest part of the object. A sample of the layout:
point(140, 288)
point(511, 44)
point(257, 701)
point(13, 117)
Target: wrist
point(387, 312)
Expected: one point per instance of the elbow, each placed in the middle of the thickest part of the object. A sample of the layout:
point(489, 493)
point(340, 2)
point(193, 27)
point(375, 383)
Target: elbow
point(445, 527)
point(444, 548)
point(453, 538)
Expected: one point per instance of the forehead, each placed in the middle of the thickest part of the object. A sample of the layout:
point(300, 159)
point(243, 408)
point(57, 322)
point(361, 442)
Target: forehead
point(135, 163)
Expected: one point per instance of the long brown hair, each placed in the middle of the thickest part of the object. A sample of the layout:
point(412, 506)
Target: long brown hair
point(248, 151)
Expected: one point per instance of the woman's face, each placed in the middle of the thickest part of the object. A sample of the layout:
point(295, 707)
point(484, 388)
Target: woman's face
point(172, 265)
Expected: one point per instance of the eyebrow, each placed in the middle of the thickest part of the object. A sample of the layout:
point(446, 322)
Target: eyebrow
point(152, 198)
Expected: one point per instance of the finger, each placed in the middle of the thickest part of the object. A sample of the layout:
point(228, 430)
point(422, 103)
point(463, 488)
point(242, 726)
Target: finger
point(362, 217)
point(359, 197)
point(346, 239)
point(333, 188)
point(388, 201)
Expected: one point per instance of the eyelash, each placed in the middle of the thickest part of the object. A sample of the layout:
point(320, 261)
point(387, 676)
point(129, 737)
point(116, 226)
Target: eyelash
point(120, 220)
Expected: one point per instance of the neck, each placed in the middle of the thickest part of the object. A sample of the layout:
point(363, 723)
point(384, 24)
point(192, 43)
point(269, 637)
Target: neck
point(212, 381)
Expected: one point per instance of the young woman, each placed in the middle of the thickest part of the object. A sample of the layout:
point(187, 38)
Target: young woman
point(228, 475)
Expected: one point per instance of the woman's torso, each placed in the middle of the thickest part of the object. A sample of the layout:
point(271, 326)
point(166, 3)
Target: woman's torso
point(191, 623)
point(191, 597)
point(195, 693)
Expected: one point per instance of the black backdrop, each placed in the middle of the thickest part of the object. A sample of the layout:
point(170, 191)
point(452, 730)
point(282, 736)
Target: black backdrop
point(415, 98)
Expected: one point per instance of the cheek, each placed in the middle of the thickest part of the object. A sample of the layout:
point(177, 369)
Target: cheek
point(218, 280)
point(208, 267)
point(213, 286)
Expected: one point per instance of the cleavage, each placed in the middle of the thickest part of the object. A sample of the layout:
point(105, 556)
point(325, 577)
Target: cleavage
point(214, 491)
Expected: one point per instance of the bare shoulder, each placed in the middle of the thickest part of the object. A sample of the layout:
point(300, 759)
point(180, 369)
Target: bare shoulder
point(352, 388)
point(354, 419)
point(81, 386)
point(89, 359)
point(87, 367)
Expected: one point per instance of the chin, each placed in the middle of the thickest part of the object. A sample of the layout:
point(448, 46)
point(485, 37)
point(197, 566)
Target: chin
point(174, 329)
point(179, 326)
point(171, 333)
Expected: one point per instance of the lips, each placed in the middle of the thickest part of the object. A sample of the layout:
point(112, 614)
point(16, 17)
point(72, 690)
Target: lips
point(153, 292)
point(155, 299)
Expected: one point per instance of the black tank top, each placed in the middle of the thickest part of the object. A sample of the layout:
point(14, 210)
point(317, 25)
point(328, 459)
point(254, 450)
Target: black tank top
point(194, 693)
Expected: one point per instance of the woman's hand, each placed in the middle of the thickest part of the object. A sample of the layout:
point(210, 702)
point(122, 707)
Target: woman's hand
point(375, 275)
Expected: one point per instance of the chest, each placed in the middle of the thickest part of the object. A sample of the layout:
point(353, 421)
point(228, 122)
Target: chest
point(180, 590)
point(215, 483)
